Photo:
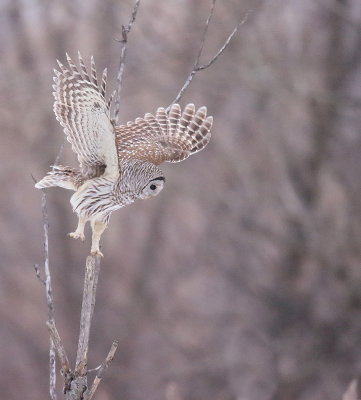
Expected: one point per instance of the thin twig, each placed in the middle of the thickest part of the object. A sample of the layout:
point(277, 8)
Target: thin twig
point(196, 63)
point(225, 44)
point(205, 31)
point(101, 369)
point(124, 41)
point(199, 67)
point(92, 270)
point(49, 295)
point(59, 347)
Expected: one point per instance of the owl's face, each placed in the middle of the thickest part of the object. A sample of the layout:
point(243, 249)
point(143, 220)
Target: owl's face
point(142, 179)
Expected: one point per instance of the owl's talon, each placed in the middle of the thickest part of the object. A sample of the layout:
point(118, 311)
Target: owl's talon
point(96, 252)
point(77, 235)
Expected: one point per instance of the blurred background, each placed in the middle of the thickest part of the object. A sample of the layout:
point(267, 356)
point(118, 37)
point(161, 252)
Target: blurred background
point(242, 279)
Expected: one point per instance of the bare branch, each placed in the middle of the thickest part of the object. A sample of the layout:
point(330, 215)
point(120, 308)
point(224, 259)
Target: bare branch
point(124, 41)
point(225, 44)
point(49, 295)
point(48, 286)
point(205, 31)
point(75, 384)
point(58, 345)
point(52, 370)
point(101, 369)
point(197, 67)
point(92, 270)
point(55, 341)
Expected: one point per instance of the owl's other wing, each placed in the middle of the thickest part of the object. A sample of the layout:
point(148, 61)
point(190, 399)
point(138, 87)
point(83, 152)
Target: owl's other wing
point(82, 111)
point(172, 136)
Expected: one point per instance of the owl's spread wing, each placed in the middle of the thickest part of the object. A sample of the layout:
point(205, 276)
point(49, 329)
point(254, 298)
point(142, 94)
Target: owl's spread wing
point(164, 137)
point(82, 111)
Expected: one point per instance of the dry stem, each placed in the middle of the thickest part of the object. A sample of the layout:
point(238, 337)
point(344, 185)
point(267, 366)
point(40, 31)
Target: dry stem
point(124, 41)
point(49, 295)
point(58, 345)
point(100, 372)
point(92, 270)
point(199, 67)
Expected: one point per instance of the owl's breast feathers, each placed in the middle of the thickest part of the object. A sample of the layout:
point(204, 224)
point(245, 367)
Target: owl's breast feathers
point(96, 198)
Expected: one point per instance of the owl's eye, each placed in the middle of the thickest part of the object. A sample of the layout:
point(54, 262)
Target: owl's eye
point(153, 188)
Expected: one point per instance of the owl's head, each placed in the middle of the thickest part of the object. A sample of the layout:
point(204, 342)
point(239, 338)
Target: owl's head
point(141, 178)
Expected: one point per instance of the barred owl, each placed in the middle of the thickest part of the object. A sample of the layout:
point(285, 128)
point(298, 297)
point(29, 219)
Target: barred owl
point(118, 164)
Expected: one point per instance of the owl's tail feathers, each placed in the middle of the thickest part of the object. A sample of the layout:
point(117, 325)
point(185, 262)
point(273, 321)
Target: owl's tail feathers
point(64, 177)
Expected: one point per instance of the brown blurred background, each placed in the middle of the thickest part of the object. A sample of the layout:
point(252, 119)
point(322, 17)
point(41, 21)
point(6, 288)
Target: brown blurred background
point(242, 279)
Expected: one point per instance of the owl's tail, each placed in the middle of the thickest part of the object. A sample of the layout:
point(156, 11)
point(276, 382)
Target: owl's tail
point(65, 177)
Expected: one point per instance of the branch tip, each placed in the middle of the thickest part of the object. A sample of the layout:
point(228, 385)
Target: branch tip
point(100, 370)
point(199, 67)
point(124, 41)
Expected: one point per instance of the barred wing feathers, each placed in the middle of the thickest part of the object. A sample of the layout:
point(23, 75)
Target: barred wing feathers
point(165, 137)
point(82, 111)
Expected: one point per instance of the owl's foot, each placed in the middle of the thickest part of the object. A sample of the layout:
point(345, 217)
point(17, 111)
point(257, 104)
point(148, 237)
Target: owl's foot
point(79, 232)
point(98, 228)
point(77, 235)
point(96, 252)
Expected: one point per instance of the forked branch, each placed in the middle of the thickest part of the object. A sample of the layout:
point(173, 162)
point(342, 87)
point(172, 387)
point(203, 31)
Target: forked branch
point(75, 383)
point(199, 67)
point(105, 364)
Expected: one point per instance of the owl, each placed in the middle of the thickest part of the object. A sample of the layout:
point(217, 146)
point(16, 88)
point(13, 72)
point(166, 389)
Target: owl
point(117, 164)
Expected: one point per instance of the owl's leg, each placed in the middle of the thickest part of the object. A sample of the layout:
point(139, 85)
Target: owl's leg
point(79, 233)
point(98, 228)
